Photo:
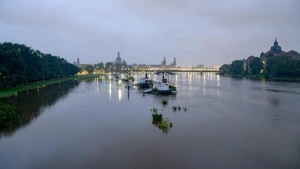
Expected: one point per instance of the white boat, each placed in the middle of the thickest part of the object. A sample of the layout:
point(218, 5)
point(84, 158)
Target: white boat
point(162, 87)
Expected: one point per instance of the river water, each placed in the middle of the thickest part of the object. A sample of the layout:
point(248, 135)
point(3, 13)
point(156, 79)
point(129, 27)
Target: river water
point(96, 123)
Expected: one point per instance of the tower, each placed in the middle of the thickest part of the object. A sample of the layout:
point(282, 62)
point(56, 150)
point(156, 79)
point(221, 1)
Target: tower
point(164, 62)
point(174, 62)
point(118, 63)
point(118, 59)
point(78, 62)
point(276, 48)
point(275, 43)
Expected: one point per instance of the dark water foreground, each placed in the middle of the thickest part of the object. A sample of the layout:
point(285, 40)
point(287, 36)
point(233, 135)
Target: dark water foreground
point(97, 124)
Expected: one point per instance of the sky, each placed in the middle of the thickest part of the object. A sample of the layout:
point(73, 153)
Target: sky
point(209, 32)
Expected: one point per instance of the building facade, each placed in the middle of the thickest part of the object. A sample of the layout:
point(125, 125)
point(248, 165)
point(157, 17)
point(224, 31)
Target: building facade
point(276, 50)
point(164, 62)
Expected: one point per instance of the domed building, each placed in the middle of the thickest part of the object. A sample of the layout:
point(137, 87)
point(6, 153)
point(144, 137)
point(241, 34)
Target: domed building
point(276, 50)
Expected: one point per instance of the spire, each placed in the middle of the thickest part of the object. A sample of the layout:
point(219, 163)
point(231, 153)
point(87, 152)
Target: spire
point(275, 43)
point(174, 61)
point(78, 61)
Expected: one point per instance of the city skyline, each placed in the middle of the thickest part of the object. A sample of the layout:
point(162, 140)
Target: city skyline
point(206, 32)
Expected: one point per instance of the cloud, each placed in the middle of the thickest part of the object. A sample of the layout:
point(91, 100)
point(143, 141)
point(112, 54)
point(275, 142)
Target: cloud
point(210, 32)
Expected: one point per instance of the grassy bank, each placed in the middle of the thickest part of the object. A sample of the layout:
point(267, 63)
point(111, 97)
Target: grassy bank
point(6, 92)
point(255, 76)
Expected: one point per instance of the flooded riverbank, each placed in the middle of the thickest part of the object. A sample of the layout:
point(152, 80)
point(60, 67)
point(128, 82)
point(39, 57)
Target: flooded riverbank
point(96, 123)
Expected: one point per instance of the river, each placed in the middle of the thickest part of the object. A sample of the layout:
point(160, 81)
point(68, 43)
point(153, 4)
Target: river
point(96, 123)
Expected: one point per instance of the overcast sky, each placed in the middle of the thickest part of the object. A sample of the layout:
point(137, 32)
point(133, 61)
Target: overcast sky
point(210, 32)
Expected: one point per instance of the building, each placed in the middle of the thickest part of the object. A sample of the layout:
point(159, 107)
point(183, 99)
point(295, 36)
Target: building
point(174, 63)
point(78, 62)
point(293, 54)
point(118, 59)
point(276, 50)
point(164, 62)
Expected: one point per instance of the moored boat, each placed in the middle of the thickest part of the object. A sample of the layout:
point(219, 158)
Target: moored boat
point(145, 83)
point(162, 87)
point(128, 77)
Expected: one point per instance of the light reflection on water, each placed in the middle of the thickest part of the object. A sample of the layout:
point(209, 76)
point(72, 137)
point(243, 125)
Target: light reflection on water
point(119, 94)
point(109, 89)
point(231, 123)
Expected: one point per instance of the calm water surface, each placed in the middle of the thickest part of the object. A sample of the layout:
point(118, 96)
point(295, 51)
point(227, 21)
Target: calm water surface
point(92, 124)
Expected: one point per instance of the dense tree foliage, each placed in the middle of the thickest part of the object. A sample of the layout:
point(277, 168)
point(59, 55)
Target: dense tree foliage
point(109, 65)
point(276, 67)
point(256, 65)
point(224, 69)
point(90, 69)
point(124, 64)
point(236, 67)
point(283, 66)
point(100, 66)
point(20, 64)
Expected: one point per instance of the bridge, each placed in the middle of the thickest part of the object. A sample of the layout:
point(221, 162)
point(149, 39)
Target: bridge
point(160, 70)
point(167, 70)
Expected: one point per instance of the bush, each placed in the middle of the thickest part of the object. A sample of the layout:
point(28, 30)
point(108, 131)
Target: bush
point(154, 110)
point(157, 117)
point(164, 102)
point(174, 108)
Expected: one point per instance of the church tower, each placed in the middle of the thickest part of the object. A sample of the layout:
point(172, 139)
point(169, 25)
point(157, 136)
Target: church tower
point(118, 59)
point(164, 62)
point(276, 48)
point(174, 62)
point(118, 63)
point(78, 62)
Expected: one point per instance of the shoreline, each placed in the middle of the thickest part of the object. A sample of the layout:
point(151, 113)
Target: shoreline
point(8, 92)
point(263, 77)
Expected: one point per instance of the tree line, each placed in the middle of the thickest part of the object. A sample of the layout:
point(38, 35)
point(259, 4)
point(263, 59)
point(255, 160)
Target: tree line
point(20, 64)
point(116, 66)
point(276, 66)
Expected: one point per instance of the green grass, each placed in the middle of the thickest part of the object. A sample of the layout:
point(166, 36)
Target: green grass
point(6, 92)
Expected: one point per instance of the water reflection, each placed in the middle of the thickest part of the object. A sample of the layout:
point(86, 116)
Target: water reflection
point(109, 89)
point(30, 109)
point(232, 125)
point(119, 94)
point(204, 84)
point(97, 84)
